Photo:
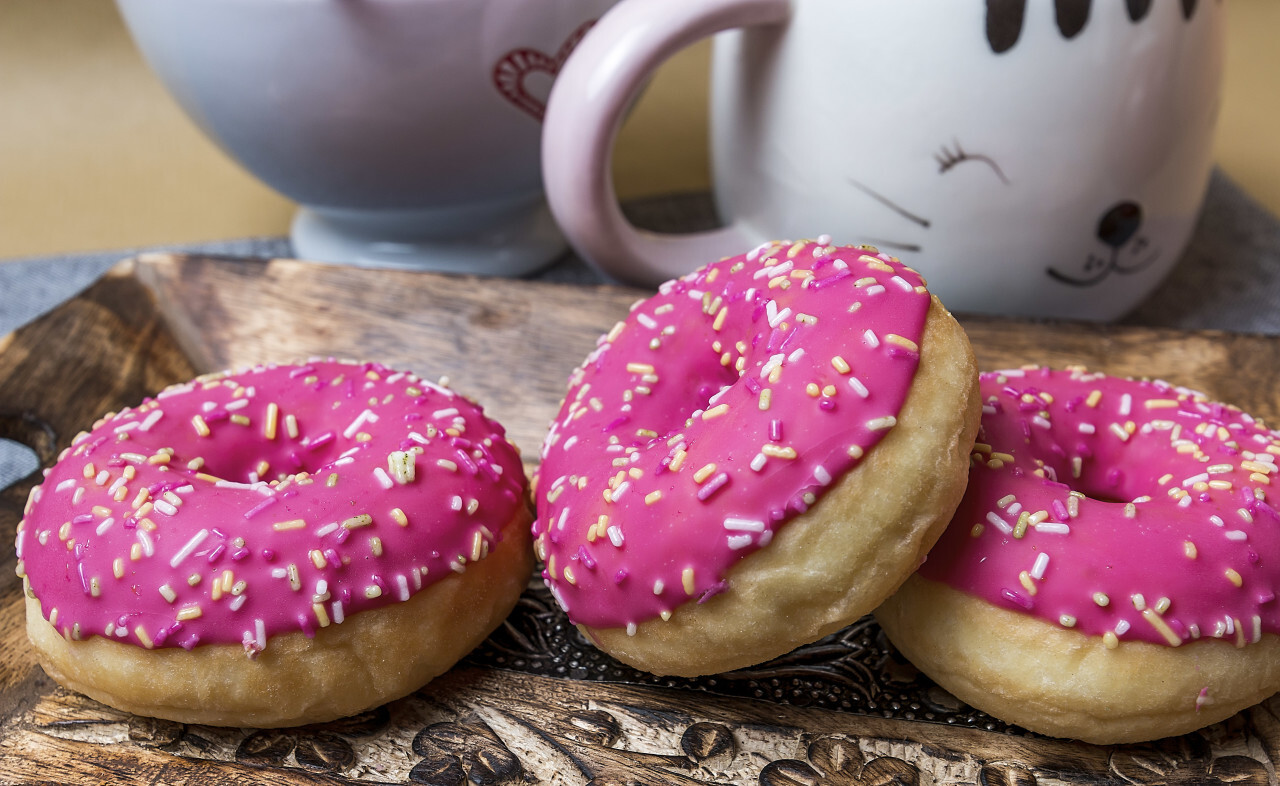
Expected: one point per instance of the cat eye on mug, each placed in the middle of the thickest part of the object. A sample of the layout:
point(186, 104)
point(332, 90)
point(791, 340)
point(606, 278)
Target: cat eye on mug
point(1034, 158)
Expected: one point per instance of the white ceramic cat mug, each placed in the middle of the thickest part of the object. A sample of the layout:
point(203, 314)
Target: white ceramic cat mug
point(1032, 158)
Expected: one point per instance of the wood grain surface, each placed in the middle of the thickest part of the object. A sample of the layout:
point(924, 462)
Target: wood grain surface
point(523, 710)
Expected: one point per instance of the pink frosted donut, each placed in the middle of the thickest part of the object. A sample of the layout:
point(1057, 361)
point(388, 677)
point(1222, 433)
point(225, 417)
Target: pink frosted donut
point(280, 545)
point(755, 457)
point(1112, 570)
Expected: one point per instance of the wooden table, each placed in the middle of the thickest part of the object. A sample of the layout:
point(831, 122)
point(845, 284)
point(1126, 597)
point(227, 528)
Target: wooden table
point(536, 703)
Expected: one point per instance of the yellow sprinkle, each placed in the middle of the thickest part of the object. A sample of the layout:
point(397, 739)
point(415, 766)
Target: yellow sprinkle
point(1161, 403)
point(719, 320)
point(766, 395)
point(686, 578)
point(776, 451)
point(1094, 398)
point(1189, 549)
point(141, 633)
point(372, 591)
point(1067, 621)
point(840, 364)
point(240, 420)
point(902, 341)
point(812, 389)
point(1027, 582)
point(322, 616)
point(677, 461)
point(1234, 577)
point(291, 426)
point(568, 575)
point(639, 368)
point(665, 614)
point(189, 613)
point(202, 428)
point(976, 530)
point(317, 558)
point(1162, 605)
point(703, 473)
point(829, 391)
point(855, 451)
point(159, 458)
point(1110, 641)
point(1024, 520)
point(280, 526)
point(355, 522)
point(715, 411)
point(117, 567)
point(775, 375)
point(1101, 599)
point(477, 546)
point(272, 421)
point(400, 517)
point(375, 546)
point(1161, 627)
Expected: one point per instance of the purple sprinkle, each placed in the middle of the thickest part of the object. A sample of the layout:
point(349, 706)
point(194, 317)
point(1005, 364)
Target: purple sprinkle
point(217, 416)
point(269, 555)
point(776, 338)
point(829, 280)
point(466, 461)
point(240, 554)
point(712, 591)
point(620, 576)
point(618, 421)
point(1177, 627)
point(331, 556)
point(378, 581)
point(413, 416)
point(218, 532)
point(83, 518)
point(290, 493)
point(1059, 510)
point(323, 439)
point(1266, 596)
point(585, 558)
point(261, 506)
point(490, 472)
point(775, 430)
point(300, 371)
point(345, 594)
point(295, 459)
point(190, 642)
point(1017, 598)
point(712, 486)
point(1114, 476)
point(342, 535)
point(827, 404)
point(752, 384)
point(216, 554)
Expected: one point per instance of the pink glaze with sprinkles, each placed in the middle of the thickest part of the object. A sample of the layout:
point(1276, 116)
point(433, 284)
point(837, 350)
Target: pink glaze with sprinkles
point(1125, 509)
point(720, 408)
point(272, 500)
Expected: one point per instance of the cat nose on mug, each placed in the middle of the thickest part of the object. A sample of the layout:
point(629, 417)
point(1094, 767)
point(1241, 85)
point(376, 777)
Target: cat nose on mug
point(1120, 223)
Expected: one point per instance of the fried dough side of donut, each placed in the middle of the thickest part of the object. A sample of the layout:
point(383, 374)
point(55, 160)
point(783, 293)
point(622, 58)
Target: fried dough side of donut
point(371, 658)
point(1063, 683)
point(836, 562)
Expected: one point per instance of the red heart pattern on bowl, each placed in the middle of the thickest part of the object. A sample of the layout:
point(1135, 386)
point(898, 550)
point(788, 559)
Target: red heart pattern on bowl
point(512, 71)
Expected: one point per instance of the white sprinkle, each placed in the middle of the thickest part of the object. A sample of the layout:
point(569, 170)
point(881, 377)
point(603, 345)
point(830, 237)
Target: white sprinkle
point(402, 583)
point(384, 479)
point(455, 503)
point(1236, 534)
point(773, 362)
point(903, 284)
point(646, 320)
point(858, 387)
point(338, 614)
point(326, 529)
point(1217, 520)
point(148, 548)
point(999, 523)
point(620, 490)
point(164, 507)
point(416, 437)
point(342, 462)
point(631, 629)
point(65, 485)
point(1053, 528)
point(237, 602)
point(261, 630)
point(106, 525)
point(778, 316)
point(794, 356)
point(102, 477)
point(186, 550)
point(368, 416)
point(1042, 562)
point(1087, 428)
point(759, 461)
point(1203, 477)
point(279, 573)
point(870, 337)
point(130, 426)
point(237, 405)
point(874, 289)
point(615, 536)
point(151, 420)
point(445, 413)
point(1122, 627)
point(1126, 404)
point(744, 525)
point(821, 475)
point(736, 542)
point(1037, 420)
point(564, 516)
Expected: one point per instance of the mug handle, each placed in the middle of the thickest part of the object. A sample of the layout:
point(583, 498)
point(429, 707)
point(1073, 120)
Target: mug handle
point(586, 107)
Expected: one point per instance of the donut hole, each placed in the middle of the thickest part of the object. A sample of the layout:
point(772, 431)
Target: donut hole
point(254, 457)
point(1106, 479)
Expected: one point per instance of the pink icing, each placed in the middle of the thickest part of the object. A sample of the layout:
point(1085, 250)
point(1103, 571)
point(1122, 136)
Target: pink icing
point(156, 529)
point(1171, 537)
point(721, 408)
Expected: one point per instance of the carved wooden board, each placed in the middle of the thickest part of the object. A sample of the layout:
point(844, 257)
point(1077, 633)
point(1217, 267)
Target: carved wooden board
point(536, 703)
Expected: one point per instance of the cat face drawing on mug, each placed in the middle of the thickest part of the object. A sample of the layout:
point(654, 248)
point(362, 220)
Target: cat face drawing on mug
point(1036, 158)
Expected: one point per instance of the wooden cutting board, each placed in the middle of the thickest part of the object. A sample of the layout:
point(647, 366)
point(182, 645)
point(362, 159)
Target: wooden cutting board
point(536, 704)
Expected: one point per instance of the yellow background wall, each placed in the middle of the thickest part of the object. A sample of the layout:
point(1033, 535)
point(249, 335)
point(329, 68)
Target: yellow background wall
point(94, 155)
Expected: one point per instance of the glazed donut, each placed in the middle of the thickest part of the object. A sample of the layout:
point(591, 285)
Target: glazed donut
point(281, 545)
point(756, 457)
point(1109, 575)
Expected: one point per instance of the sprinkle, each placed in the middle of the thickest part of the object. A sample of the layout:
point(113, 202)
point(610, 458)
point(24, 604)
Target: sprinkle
point(1234, 577)
point(187, 549)
point(640, 368)
point(383, 479)
point(870, 337)
point(272, 421)
point(1189, 549)
point(447, 465)
point(167, 593)
point(712, 486)
point(902, 341)
point(1067, 621)
point(745, 525)
point(1101, 599)
point(715, 411)
point(882, 423)
point(705, 472)
point(1161, 627)
point(281, 526)
point(652, 497)
point(686, 579)
point(840, 365)
point(776, 451)
point(355, 522)
point(367, 416)
point(201, 427)
point(291, 426)
point(1041, 563)
point(999, 523)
